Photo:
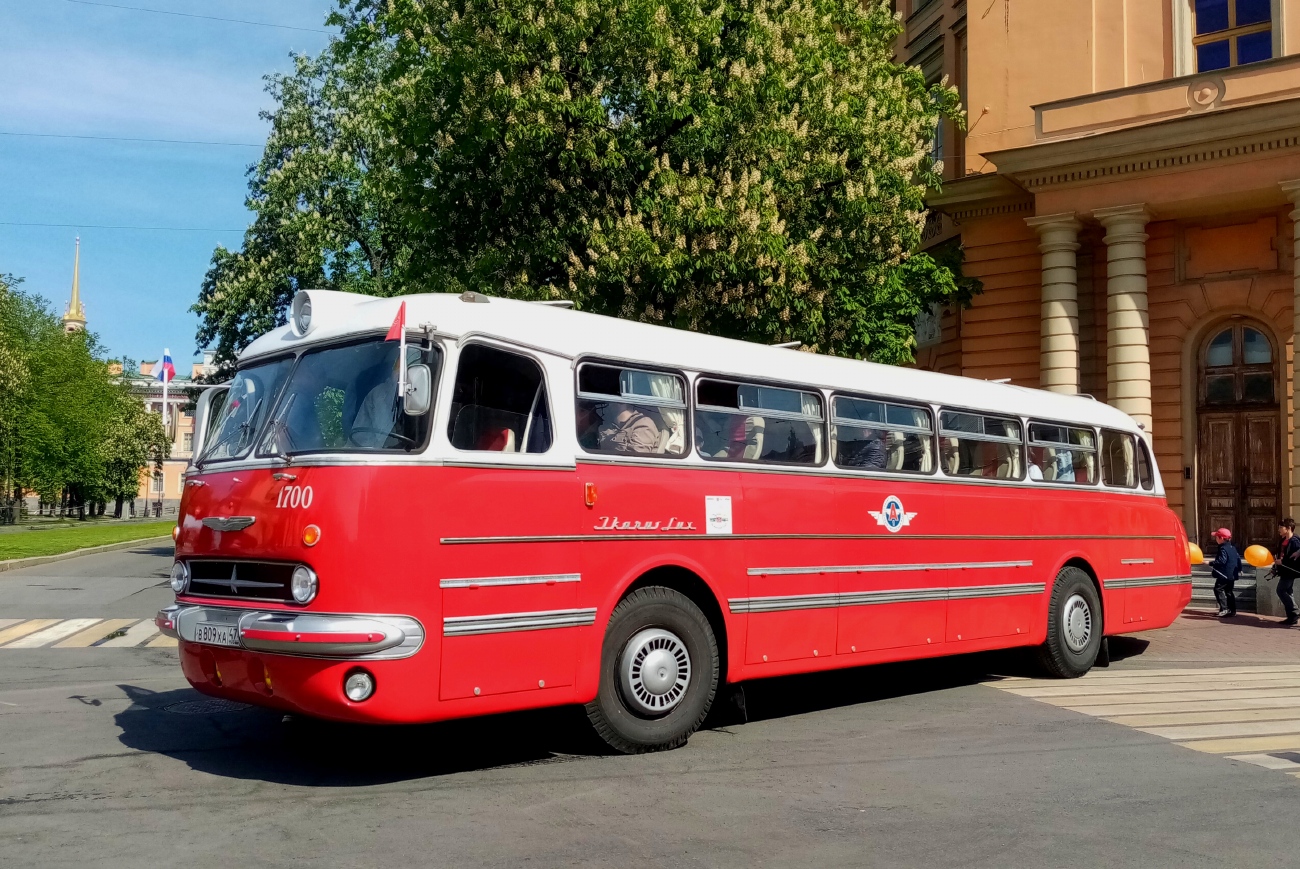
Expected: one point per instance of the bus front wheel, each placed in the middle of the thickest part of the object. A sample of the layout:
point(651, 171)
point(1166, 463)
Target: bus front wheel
point(658, 672)
point(1074, 626)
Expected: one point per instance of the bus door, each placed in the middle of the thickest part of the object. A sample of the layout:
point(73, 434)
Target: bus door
point(790, 558)
point(509, 573)
point(896, 595)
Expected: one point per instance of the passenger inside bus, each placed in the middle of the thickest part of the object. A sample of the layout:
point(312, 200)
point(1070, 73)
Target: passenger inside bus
point(377, 415)
point(866, 450)
point(648, 419)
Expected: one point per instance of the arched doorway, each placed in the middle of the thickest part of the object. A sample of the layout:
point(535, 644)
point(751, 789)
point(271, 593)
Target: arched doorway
point(1239, 439)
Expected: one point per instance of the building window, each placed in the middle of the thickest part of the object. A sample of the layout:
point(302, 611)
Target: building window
point(1232, 32)
point(158, 484)
point(187, 441)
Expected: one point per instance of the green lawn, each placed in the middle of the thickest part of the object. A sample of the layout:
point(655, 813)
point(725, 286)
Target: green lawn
point(24, 544)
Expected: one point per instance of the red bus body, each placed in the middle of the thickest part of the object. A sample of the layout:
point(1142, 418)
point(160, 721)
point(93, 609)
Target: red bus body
point(807, 577)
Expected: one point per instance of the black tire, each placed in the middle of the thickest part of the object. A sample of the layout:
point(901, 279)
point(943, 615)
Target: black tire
point(1074, 626)
point(618, 719)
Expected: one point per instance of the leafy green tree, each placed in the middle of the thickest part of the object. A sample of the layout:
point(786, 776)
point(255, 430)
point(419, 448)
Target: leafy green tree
point(751, 168)
point(323, 196)
point(69, 430)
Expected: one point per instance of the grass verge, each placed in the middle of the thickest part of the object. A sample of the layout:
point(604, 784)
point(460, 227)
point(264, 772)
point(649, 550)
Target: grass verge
point(26, 544)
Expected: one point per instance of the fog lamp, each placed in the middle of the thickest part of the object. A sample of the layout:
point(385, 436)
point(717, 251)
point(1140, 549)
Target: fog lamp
point(180, 577)
point(303, 585)
point(358, 686)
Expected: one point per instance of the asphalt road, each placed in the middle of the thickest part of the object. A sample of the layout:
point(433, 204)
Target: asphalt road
point(107, 758)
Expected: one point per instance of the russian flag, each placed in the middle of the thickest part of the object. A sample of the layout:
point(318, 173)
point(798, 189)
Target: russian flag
point(166, 370)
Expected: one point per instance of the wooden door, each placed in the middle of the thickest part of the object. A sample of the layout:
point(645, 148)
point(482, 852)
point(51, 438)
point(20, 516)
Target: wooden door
point(1239, 438)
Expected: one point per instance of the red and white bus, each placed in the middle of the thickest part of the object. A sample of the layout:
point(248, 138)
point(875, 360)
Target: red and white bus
point(564, 508)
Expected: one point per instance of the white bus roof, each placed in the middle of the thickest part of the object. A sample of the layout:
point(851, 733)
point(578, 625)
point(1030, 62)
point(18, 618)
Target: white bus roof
point(575, 333)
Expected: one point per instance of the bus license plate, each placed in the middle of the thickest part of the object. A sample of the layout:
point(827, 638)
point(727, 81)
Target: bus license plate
point(216, 635)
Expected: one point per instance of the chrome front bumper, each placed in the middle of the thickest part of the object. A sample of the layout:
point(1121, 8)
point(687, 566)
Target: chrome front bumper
point(312, 635)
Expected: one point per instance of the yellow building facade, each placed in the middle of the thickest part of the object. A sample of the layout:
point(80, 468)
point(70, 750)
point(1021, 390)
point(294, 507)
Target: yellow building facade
point(1128, 191)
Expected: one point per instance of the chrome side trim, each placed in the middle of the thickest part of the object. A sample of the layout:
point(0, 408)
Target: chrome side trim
point(1137, 561)
point(540, 579)
point(1145, 581)
point(502, 623)
point(832, 600)
point(882, 568)
point(980, 591)
point(879, 536)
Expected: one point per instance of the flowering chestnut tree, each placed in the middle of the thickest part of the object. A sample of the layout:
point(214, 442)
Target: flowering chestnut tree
point(750, 168)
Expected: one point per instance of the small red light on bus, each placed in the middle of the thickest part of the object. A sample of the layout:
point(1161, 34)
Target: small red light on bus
point(591, 494)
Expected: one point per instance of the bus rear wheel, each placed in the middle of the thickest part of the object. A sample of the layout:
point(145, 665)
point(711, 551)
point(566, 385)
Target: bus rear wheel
point(658, 672)
point(1074, 626)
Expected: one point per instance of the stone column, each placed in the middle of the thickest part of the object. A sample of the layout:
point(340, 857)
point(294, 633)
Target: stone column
point(1058, 359)
point(1128, 352)
point(1292, 190)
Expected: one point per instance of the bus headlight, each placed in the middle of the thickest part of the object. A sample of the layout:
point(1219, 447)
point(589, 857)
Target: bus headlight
point(180, 577)
point(300, 314)
point(304, 584)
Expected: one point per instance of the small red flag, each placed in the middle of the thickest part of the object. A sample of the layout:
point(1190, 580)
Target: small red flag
point(396, 330)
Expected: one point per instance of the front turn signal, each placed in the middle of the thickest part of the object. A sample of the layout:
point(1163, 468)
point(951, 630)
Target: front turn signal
point(311, 535)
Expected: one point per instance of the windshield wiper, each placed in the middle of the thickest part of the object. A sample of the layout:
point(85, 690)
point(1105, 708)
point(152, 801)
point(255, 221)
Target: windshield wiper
point(278, 429)
point(244, 428)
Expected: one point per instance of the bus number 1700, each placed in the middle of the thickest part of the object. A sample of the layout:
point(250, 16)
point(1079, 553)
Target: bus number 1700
point(294, 496)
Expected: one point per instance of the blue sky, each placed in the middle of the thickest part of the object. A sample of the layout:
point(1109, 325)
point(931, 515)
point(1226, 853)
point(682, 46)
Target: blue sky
point(79, 69)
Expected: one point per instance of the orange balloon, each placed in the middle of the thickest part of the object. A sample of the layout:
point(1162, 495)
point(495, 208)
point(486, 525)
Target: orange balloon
point(1194, 554)
point(1258, 556)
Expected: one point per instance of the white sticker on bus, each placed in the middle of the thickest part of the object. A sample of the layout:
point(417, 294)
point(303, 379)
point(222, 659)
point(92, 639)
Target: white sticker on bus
point(717, 514)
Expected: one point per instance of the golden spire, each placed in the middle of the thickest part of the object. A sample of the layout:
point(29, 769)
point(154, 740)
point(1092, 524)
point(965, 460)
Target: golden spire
point(74, 319)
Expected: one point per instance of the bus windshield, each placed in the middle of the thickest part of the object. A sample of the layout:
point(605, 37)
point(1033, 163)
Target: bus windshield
point(250, 397)
point(345, 399)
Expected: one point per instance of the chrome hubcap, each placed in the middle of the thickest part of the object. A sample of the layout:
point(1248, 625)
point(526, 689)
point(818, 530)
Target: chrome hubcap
point(655, 671)
point(1076, 623)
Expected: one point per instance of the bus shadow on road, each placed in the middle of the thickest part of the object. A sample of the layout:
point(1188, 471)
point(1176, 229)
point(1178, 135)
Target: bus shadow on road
point(244, 742)
point(258, 744)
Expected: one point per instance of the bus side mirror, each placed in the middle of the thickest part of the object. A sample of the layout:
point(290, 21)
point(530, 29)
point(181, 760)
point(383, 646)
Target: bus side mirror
point(419, 390)
point(206, 410)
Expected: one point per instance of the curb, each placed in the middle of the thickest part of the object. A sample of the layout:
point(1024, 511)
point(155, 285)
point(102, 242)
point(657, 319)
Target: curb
point(34, 561)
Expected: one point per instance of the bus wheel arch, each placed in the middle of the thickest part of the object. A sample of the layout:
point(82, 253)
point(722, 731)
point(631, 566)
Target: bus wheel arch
point(1082, 563)
point(689, 583)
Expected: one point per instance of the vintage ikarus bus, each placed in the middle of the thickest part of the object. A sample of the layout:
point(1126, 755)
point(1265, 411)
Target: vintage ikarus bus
point(410, 510)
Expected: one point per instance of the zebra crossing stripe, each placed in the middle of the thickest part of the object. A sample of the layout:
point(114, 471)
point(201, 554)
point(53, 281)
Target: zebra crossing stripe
point(90, 635)
point(53, 634)
point(29, 626)
point(80, 634)
point(1248, 714)
point(134, 636)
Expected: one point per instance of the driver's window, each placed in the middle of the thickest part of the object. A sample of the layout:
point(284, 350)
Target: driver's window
point(499, 403)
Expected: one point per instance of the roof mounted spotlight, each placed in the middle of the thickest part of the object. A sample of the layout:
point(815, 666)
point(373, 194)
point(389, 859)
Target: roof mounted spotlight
point(300, 313)
point(789, 345)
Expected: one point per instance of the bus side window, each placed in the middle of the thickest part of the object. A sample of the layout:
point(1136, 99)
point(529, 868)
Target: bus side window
point(1062, 454)
point(877, 435)
point(499, 403)
point(627, 410)
point(974, 445)
point(744, 422)
point(1146, 478)
point(1118, 459)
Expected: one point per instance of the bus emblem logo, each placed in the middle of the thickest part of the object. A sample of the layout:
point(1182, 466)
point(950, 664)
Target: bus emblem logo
point(892, 515)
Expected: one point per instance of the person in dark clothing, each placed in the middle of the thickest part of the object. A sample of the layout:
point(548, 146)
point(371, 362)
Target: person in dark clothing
point(868, 452)
point(1226, 567)
point(1288, 568)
